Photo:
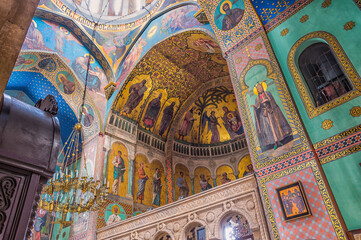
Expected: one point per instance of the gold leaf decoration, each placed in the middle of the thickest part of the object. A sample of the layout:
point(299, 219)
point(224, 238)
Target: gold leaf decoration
point(349, 25)
point(355, 111)
point(239, 60)
point(258, 47)
point(327, 124)
point(326, 3)
point(304, 18)
point(284, 32)
point(358, 3)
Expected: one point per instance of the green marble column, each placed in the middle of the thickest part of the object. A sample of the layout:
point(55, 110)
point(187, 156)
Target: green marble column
point(130, 179)
point(214, 183)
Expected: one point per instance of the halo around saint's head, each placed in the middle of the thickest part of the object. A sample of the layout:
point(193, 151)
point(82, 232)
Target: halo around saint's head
point(229, 4)
point(65, 30)
point(92, 60)
point(264, 85)
point(114, 207)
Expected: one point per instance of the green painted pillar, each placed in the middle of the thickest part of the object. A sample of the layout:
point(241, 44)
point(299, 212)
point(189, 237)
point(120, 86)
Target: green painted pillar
point(214, 183)
point(130, 179)
point(192, 185)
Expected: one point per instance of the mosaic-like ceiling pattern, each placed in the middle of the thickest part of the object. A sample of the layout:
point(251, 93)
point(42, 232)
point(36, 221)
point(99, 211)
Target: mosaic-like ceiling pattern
point(270, 9)
point(166, 76)
point(35, 86)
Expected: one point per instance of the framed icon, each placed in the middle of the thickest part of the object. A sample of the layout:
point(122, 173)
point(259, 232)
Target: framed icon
point(293, 201)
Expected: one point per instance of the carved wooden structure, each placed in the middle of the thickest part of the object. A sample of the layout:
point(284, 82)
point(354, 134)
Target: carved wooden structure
point(29, 144)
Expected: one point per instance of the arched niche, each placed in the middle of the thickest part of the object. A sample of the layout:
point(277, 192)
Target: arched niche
point(117, 172)
point(164, 235)
point(157, 184)
point(245, 166)
point(224, 169)
point(140, 195)
point(197, 174)
point(178, 169)
point(235, 226)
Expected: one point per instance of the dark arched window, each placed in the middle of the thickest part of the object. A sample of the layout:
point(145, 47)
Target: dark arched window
point(323, 74)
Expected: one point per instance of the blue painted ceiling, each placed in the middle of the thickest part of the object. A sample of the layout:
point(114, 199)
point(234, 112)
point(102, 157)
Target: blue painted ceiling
point(269, 9)
point(36, 86)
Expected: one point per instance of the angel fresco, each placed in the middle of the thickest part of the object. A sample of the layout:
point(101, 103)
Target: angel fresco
point(136, 94)
point(271, 125)
point(152, 112)
point(212, 125)
point(166, 119)
point(232, 122)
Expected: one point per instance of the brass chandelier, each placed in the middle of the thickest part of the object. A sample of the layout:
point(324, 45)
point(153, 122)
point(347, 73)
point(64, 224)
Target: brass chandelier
point(68, 193)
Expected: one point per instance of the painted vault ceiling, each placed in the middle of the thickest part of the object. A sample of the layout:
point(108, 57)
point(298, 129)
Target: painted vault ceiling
point(166, 76)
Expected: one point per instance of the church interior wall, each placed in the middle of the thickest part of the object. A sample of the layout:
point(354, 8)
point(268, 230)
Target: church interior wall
point(318, 21)
point(250, 66)
point(256, 57)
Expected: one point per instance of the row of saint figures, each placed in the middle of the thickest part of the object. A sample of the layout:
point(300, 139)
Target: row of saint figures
point(149, 179)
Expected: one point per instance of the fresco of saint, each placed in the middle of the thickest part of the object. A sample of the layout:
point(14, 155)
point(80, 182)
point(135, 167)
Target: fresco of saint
point(271, 125)
point(114, 218)
point(204, 183)
point(212, 125)
point(229, 14)
point(142, 179)
point(183, 186)
point(80, 67)
point(119, 169)
point(152, 112)
point(68, 85)
point(232, 122)
point(157, 187)
point(136, 94)
point(166, 119)
point(87, 118)
point(187, 123)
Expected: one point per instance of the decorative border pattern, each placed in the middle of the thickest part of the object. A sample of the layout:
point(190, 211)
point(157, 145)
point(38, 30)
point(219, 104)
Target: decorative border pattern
point(346, 64)
point(241, 89)
point(337, 137)
point(303, 157)
point(342, 147)
point(322, 188)
point(296, 7)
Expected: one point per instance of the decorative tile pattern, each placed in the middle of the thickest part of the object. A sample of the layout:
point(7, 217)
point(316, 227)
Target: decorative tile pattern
point(284, 15)
point(306, 156)
point(327, 124)
point(254, 50)
point(355, 111)
point(349, 25)
point(318, 225)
